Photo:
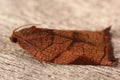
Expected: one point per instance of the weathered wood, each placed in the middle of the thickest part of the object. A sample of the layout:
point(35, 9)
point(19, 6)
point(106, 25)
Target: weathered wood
point(15, 64)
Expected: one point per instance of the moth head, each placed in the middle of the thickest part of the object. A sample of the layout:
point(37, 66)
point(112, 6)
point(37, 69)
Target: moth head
point(13, 38)
point(20, 33)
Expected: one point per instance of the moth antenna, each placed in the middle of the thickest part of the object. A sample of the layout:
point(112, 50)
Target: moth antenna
point(23, 26)
point(20, 27)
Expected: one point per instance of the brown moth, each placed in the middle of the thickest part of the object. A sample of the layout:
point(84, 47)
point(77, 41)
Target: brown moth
point(67, 46)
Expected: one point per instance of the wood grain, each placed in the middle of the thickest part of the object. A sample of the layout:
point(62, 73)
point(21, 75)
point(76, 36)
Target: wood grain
point(15, 64)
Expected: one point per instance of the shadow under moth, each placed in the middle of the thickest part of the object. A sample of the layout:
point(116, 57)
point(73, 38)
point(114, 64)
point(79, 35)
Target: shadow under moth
point(77, 47)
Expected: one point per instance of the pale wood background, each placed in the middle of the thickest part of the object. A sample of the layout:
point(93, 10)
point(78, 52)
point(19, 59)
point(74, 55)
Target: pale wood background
point(15, 64)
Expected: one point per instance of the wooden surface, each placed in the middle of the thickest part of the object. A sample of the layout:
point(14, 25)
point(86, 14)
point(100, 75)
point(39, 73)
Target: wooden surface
point(16, 64)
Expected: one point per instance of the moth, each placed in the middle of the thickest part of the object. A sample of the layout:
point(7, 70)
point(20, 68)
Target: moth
point(79, 47)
